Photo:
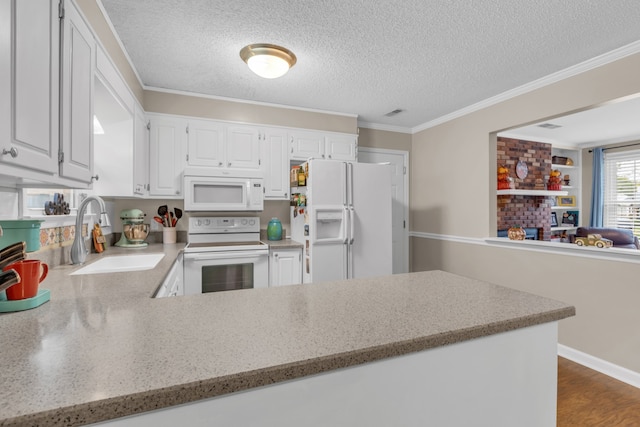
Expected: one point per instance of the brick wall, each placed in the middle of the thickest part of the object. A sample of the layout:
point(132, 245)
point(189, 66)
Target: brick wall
point(526, 211)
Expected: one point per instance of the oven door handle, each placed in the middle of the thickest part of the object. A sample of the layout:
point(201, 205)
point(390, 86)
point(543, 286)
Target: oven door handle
point(224, 255)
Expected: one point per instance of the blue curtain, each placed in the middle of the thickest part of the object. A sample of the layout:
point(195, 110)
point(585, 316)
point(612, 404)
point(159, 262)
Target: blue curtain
point(597, 196)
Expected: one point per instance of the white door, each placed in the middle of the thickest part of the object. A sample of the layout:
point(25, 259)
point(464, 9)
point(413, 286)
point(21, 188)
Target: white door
point(305, 145)
point(29, 119)
point(206, 143)
point(166, 159)
point(275, 164)
point(371, 247)
point(341, 147)
point(243, 147)
point(140, 153)
point(399, 193)
point(78, 66)
point(285, 267)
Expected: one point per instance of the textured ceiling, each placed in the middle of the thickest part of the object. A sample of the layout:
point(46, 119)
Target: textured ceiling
point(427, 57)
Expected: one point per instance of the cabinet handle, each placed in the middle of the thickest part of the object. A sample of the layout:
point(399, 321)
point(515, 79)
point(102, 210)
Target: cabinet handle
point(219, 163)
point(275, 255)
point(323, 156)
point(13, 152)
point(95, 177)
point(329, 155)
point(229, 164)
point(178, 192)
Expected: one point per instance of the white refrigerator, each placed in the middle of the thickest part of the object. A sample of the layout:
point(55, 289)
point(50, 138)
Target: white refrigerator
point(345, 225)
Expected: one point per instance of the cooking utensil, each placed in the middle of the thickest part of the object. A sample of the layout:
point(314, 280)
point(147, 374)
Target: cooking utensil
point(8, 278)
point(162, 211)
point(172, 221)
point(158, 220)
point(178, 213)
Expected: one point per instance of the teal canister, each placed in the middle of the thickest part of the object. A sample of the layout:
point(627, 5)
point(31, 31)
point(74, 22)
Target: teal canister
point(274, 229)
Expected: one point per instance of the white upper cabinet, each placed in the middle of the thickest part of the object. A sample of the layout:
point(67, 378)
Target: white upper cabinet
point(320, 145)
point(206, 143)
point(78, 66)
point(140, 153)
point(216, 144)
point(167, 145)
point(243, 147)
point(305, 145)
point(275, 163)
point(341, 147)
point(29, 64)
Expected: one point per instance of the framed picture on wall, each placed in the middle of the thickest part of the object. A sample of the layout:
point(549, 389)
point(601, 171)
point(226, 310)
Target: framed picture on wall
point(572, 217)
point(554, 219)
point(566, 200)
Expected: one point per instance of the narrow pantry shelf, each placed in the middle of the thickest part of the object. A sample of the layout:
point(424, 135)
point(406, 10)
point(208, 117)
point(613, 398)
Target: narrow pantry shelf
point(544, 193)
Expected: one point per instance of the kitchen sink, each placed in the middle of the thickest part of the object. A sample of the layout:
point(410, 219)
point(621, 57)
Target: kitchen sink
point(120, 263)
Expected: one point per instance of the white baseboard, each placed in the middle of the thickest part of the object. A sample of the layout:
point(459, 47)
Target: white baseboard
point(618, 372)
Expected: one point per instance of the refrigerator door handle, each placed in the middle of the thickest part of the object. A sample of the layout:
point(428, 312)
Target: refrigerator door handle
point(351, 224)
point(346, 175)
point(350, 184)
point(345, 225)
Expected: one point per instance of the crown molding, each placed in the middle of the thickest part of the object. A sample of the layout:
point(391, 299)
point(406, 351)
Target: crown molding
point(244, 101)
point(590, 64)
point(389, 128)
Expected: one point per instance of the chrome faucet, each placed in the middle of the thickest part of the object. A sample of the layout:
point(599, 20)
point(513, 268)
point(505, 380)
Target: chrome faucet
point(78, 249)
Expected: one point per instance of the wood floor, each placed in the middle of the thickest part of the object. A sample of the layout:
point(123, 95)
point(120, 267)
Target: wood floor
point(589, 398)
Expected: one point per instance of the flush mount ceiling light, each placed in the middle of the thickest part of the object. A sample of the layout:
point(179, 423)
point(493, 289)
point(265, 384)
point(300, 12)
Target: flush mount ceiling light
point(268, 60)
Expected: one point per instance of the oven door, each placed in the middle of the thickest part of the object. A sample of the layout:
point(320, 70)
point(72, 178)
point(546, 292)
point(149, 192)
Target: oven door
point(224, 271)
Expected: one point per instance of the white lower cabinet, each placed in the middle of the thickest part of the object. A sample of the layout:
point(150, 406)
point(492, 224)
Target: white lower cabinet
point(173, 284)
point(285, 267)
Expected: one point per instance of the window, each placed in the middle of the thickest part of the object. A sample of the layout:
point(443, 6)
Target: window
point(35, 199)
point(622, 190)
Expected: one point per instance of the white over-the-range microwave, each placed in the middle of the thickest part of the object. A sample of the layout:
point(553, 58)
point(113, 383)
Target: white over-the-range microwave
point(223, 190)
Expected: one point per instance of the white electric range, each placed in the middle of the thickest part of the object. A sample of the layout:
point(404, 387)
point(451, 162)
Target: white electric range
point(224, 253)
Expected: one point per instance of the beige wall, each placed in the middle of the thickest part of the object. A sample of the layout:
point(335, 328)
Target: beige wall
point(374, 138)
point(453, 193)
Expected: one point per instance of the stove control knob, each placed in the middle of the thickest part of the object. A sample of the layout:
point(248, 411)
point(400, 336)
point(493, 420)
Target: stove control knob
point(244, 222)
point(198, 223)
point(207, 222)
point(252, 221)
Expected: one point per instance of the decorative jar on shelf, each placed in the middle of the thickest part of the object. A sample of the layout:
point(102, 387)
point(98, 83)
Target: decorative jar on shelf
point(516, 233)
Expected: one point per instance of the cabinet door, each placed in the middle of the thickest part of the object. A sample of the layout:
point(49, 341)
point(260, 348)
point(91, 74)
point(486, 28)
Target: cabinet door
point(29, 63)
point(206, 143)
point(341, 147)
point(243, 147)
point(78, 65)
point(275, 163)
point(305, 145)
point(140, 153)
point(285, 267)
point(167, 139)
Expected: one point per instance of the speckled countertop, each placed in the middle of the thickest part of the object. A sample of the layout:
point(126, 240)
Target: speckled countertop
point(102, 348)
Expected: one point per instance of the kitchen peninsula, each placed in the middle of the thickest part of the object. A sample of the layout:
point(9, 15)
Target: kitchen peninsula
point(423, 346)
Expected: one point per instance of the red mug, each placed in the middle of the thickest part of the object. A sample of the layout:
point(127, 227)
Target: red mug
point(32, 272)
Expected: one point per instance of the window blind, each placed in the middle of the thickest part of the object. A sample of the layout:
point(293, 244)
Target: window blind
point(622, 190)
